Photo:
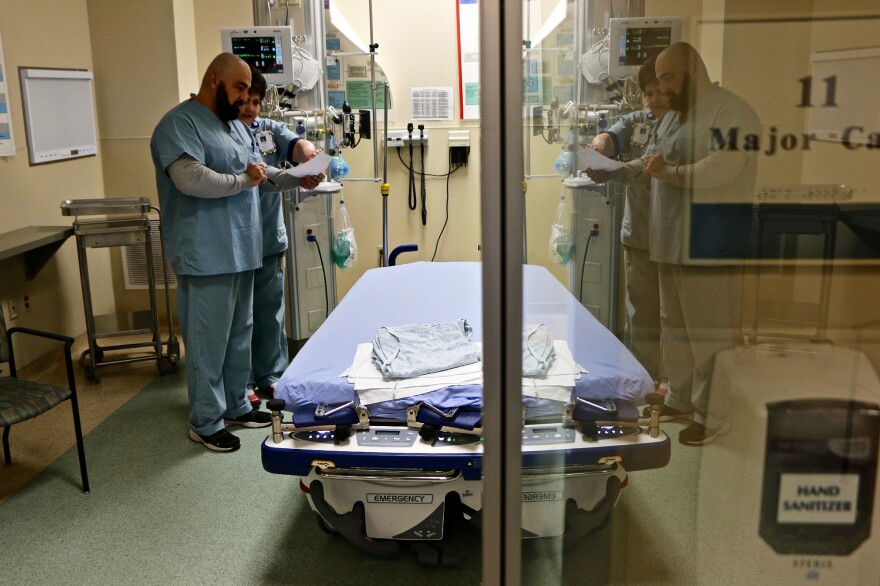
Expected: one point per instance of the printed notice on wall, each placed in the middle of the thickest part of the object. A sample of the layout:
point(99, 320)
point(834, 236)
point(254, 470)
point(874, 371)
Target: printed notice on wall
point(469, 58)
point(432, 103)
point(7, 142)
point(825, 499)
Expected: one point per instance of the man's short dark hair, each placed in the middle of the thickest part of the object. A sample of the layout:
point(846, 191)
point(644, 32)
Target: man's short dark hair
point(258, 83)
point(646, 75)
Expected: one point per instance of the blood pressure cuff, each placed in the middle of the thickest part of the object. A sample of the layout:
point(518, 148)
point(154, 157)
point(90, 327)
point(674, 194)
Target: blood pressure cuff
point(625, 411)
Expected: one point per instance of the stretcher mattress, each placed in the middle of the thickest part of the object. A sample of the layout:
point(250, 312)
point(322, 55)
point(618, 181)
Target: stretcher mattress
point(427, 292)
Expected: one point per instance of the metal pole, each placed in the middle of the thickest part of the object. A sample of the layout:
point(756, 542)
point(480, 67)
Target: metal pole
point(386, 189)
point(373, 108)
point(502, 237)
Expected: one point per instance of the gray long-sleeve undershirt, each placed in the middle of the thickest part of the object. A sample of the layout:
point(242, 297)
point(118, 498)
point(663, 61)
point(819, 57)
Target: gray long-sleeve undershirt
point(194, 178)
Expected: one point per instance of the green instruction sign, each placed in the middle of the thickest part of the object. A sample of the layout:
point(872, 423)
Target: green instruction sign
point(360, 95)
point(472, 94)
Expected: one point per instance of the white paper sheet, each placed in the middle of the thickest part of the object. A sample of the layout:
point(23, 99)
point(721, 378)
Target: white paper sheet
point(311, 167)
point(592, 159)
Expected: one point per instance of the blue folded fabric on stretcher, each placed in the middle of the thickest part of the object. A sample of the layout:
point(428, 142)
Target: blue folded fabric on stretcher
point(538, 353)
point(438, 292)
point(416, 349)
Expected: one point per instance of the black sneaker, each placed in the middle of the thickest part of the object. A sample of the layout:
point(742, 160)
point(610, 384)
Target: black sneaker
point(667, 413)
point(222, 441)
point(700, 435)
point(253, 418)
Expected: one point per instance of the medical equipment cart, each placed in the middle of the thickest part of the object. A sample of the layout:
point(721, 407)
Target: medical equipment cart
point(124, 222)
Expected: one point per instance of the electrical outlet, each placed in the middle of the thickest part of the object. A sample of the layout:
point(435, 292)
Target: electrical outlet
point(26, 305)
point(12, 308)
point(592, 224)
point(313, 230)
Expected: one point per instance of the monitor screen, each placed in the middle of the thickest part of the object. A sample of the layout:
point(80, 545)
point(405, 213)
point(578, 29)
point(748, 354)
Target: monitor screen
point(267, 48)
point(633, 40)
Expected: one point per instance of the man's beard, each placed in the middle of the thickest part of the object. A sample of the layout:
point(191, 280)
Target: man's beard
point(684, 99)
point(225, 110)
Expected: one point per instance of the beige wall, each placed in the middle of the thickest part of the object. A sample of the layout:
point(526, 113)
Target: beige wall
point(32, 195)
point(136, 85)
point(210, 17)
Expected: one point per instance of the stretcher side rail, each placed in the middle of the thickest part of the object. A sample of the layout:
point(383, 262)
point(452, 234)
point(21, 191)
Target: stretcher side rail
point(339, 418)
point(431, 420)
point(589, 415)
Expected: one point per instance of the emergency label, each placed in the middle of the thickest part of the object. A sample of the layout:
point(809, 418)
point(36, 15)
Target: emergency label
point(827, 499)
point(400, 499)
point(542, 496)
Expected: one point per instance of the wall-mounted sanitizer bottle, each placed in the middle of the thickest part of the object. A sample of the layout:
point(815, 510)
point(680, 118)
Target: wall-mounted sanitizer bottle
point(820, 471)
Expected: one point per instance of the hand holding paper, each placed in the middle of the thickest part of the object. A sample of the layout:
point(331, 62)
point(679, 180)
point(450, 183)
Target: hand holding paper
point(311, 167)
point(589, 158)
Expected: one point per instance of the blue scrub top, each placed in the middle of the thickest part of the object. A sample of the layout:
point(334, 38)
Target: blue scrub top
point(636, 216)
point(274, 233)
point(207, 236)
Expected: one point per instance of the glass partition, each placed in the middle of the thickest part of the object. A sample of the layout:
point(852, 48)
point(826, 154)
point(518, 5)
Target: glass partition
point(721, 424)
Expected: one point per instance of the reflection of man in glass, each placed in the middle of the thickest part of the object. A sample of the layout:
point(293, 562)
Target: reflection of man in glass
point(701, 193)
point(628, 137)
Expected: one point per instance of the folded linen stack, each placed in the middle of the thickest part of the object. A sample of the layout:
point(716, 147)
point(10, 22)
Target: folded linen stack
point(553, 369)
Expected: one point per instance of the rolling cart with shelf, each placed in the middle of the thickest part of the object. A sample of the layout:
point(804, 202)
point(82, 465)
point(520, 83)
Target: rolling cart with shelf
point(124, 222)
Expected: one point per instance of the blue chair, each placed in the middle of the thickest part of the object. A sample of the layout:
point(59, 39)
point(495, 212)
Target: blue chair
point(22, 399)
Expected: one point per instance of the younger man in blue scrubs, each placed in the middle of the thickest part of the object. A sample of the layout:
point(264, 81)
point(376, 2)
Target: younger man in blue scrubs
point(277, 146)
point(207, 173)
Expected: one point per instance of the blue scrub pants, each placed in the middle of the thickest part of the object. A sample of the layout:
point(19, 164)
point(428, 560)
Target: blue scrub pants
point(269, 346)
point(700, 309)
point(641, 333)
point(216, 318)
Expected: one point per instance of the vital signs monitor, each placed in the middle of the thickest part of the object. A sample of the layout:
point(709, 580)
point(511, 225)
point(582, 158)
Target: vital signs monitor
point(633, 40)
point(267, 48)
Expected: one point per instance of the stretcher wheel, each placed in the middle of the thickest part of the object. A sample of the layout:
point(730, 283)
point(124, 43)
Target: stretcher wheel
point(324, 526)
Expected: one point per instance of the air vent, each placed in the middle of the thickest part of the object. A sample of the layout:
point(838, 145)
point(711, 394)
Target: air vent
point(134, 262)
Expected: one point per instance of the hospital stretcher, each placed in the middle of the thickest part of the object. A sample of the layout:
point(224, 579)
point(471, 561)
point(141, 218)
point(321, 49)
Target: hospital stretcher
point(401, 469)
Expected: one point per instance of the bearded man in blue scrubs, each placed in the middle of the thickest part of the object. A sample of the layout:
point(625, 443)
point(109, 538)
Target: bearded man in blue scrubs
point(207, 173)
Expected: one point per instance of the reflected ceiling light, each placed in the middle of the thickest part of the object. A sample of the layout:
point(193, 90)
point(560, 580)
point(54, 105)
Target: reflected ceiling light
point(341, 24)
